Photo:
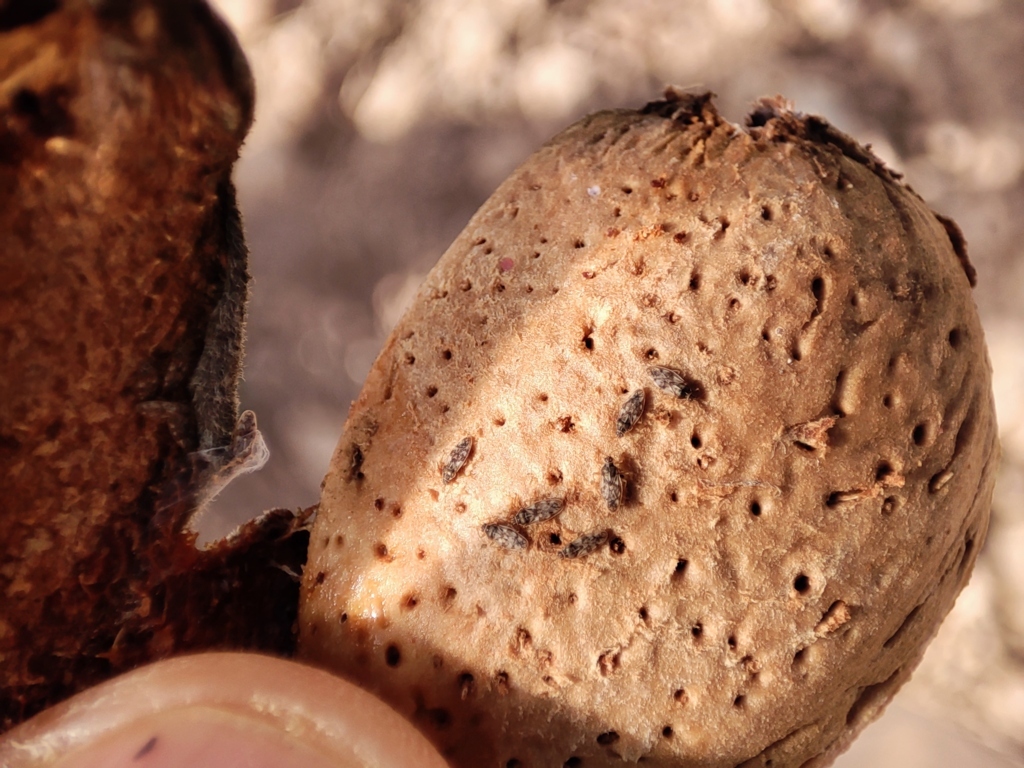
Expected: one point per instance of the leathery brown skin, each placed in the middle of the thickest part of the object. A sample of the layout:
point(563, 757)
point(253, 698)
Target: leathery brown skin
point(122, 298)
point(794, 519)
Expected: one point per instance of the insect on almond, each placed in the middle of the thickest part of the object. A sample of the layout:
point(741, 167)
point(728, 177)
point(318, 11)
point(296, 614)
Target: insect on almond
point(538, 512)
point(672, 381)
point(613, 484)
point(505, 536)
point(630, 413)
point(584, 545)
point(457, 460)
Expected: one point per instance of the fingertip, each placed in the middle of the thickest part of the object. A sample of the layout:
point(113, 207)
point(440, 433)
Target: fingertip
point(224, 710)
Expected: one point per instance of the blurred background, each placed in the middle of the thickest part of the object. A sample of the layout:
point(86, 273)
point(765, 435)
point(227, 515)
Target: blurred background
point(381, 125)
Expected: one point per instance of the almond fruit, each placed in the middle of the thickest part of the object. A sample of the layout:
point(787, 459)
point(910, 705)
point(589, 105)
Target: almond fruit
point(745, 570)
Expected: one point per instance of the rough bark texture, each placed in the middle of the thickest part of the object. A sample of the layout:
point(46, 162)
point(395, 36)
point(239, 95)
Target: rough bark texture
point(122, 297)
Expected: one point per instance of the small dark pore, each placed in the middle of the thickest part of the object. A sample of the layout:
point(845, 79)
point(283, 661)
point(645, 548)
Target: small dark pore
point(955, 337)
point(588, 342)
point(766, 213)
point(755, 508)
point(739, 701)
point(392, 656)
point(667, 731)
point(466, 685)
point(695, 440)
point(606, 738)
point(378, 504)
point(818, 291)
point(617, 546)
point(572, 762)
point(920, 434)
point(431, 391)
point(439, 717)
point(802, 583)
point(694, 282)
point(697, 630)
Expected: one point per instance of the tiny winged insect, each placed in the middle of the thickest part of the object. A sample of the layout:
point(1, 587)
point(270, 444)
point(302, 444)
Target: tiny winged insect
point(613, 484)
point(505, 536)
point(672, 381)
point(538, 512)
point(630, 412)
point(457, 459)
point(584, 545)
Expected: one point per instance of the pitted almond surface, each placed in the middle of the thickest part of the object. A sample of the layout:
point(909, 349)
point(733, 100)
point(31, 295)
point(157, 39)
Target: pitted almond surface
point(752, 568)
